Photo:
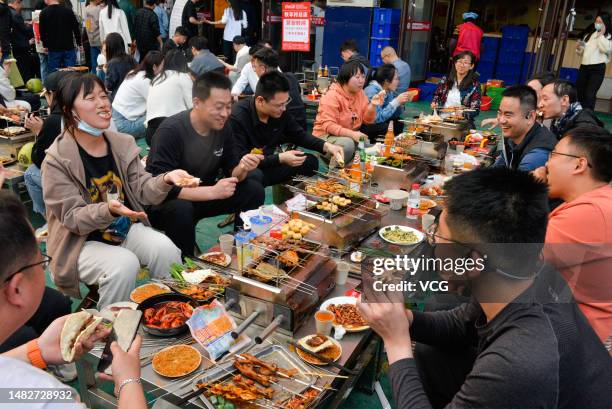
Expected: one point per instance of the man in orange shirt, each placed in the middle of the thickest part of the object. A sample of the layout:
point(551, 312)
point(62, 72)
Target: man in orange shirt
point(579, 234)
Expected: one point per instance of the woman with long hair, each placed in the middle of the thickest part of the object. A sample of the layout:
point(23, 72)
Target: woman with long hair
point(113, 20)
point(461, 88)
point(170, 92)
point(596, 50)
point(235, 20)
point(118, 62)
point(95, 189)
point(130, 102)
point(385, 78)
point(344, 108)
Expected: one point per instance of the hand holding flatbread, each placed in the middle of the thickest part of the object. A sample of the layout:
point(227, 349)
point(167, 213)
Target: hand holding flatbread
point(68, 337)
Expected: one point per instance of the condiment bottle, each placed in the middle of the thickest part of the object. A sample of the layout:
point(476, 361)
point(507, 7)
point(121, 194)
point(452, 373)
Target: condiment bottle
point(389, 139)
point(412, 210)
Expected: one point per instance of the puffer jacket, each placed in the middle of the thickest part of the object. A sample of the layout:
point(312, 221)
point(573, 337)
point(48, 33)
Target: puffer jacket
point(71, 215)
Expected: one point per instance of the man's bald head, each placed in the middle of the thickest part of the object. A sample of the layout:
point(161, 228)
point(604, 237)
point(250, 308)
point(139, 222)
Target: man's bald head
point(388, 55)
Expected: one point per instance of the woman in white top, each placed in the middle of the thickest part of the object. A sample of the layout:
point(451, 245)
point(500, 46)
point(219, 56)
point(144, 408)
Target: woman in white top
point(595, 48)
point(170, 92)
point(113, 20)
point(235, 21)
point(130, 103)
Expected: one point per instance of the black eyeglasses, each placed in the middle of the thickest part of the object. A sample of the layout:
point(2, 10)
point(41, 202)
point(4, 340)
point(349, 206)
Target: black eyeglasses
point(431, 234)
point(551, 153)
point(44, 263)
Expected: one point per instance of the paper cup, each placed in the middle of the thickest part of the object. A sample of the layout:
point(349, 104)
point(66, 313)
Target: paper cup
point(324, 322)
point(226, 242)
point(397, 198)
point(427, 220)
point(342, 271)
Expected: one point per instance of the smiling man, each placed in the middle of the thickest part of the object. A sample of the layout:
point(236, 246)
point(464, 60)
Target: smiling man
point(509, 347)
point(199, 140)
point(263, 122)
point(526, 142)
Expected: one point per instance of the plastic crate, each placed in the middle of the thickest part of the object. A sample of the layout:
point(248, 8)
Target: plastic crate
point(508, 70)
point(376, 46)
point(511, 57)
point(485, 67)
point(385, 30)
point(488, 49)
point(387, 16)
point(570, 74)
point(512, 45)
point(427, 91)
point(515, 32)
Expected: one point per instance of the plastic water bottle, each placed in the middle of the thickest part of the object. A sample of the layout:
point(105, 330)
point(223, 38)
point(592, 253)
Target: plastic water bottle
point(412, 210)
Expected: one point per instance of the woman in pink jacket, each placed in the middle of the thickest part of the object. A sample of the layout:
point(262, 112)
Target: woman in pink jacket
point(344, 108)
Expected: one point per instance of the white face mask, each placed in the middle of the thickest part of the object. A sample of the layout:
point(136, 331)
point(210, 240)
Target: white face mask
point(599, 26)
point(87, 128)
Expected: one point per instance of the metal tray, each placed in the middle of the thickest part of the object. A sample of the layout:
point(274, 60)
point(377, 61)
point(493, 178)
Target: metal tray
point(274, 354)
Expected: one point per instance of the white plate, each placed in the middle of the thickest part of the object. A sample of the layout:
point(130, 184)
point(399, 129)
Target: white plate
point(343, 300)
point(165, 287)
point(419, 234)
point(228, 259)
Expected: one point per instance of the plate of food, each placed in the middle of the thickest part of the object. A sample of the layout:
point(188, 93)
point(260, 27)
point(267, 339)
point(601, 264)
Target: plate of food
point(345, 313)
point(402, 235)
point(217, 257)
point(321, 345)
point(426, 204)
point(176, 361)
point(113, 309)
point(139, 294)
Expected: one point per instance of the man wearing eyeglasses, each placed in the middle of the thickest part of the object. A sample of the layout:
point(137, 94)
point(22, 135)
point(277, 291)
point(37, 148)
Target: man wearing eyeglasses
point(526, 142)
point(514, 345)
point(262, 122)
point(579, 234)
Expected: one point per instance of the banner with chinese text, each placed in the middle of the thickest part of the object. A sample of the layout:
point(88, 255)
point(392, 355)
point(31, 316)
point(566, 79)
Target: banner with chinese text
point(296, 26)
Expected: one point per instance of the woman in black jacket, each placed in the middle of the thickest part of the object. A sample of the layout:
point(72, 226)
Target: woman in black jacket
point(118, 63)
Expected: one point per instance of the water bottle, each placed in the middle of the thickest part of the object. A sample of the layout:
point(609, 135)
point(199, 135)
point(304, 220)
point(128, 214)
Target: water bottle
point(412, 210)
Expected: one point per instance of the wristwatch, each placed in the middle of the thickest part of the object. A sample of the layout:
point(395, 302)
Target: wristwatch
point(34, 354)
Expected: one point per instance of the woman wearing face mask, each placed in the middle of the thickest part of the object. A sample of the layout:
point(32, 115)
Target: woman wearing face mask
point(595, 48)
point(344, 108)
point(95, 187)
point(385, 78)
point(130, 103)
point(461, 88)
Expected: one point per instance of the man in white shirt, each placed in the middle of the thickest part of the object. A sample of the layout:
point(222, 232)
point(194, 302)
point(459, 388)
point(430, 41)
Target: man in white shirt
point(248, 76)
point(242, 58)
point(22, 278)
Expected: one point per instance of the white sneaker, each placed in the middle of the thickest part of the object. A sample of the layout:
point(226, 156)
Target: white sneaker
point(65, 373)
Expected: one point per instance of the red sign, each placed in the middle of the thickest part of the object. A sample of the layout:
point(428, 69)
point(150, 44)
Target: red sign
point(296, 26)
point(317, 21)
point(419, 26)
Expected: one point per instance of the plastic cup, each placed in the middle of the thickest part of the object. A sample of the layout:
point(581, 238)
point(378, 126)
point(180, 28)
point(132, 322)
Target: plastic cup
point(342, 271)
point(324, 322)
point(260, 224)
point(226, 242)
point(427, 220)
point(460, 148)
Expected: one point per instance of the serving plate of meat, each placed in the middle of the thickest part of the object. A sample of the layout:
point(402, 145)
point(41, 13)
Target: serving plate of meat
point(345, 313)
point(166, 314)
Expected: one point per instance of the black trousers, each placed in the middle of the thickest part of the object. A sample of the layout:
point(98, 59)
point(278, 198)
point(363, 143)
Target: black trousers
point(443, 371)
point(378, 131)
point(24, 62)
point(590, 78)
point(178, 218)
point(53, 305)
point(152, 126)
point(228, 51)
point(285, 173)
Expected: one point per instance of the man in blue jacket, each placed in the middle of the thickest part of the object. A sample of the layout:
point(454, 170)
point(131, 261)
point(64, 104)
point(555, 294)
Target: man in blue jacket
point(526, 142)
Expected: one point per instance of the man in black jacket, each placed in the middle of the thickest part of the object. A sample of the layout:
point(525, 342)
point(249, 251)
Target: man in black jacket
point(177, 42)
point(262, 122)
point(146, 30)
point(266, 60)
point(522, 341)
point(526, 142)
point(559, 102)
point(350, 52)
point(59, 29)
point(20, 40)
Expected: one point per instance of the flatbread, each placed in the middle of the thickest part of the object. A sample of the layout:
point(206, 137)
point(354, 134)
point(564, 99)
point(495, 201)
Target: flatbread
point(73, 332)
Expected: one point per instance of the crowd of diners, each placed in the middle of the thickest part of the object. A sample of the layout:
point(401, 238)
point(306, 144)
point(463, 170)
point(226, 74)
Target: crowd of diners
point(108, 213)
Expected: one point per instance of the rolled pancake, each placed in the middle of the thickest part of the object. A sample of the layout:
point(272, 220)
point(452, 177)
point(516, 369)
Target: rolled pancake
point(78, 326)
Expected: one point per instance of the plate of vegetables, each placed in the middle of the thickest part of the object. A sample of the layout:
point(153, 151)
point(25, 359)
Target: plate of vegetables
point(401, 235)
